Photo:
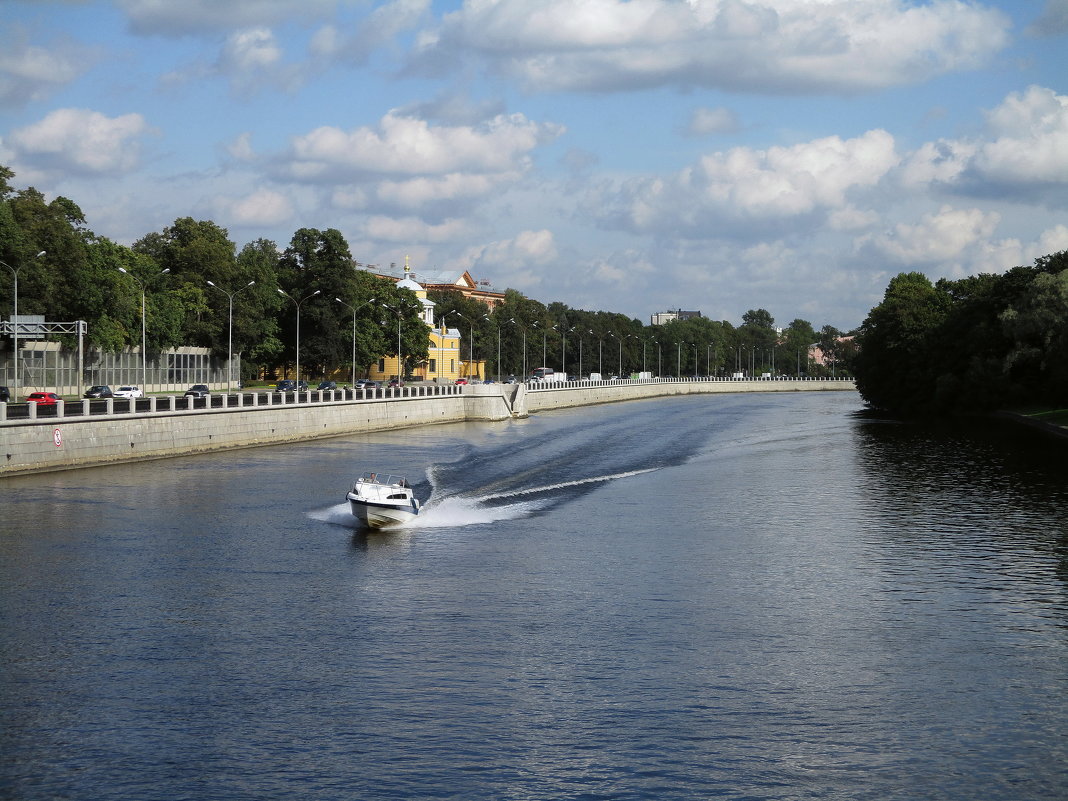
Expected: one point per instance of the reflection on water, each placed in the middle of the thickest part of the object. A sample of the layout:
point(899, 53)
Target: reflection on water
point(772, 597)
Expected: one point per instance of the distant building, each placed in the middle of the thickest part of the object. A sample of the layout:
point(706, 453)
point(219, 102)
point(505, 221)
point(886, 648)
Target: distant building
point(444, 362)
point(660, 318)
point(438, 280)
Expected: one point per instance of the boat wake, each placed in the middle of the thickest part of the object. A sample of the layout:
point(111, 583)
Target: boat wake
point(544, 464)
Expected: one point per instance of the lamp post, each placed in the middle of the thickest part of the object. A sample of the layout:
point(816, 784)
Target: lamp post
point(563, 357)
point(619, 366)
point(15, 319)
point(354, 309)
point(144, 350)
point(678, 366)
point(517, 325)
point(297, 303)
point(230, 330)
point(695, 360)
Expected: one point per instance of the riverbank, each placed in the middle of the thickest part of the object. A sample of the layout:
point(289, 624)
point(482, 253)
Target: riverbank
point(1052, 423)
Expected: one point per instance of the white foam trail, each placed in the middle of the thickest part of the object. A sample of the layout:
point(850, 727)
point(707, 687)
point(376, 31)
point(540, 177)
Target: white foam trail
point(564, 484)
point(454, 511)
point(339, 515)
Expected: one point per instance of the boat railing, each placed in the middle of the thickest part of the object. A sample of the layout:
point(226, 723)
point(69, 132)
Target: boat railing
point(382, 479)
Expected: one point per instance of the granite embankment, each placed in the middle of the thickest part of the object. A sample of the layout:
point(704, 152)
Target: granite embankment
point(83, 434)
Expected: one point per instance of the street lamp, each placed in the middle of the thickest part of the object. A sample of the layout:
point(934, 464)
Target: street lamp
point(512, 320)
point(563, 357)
point(619, 368)
point(144, 350)
point(354, 310)
point(230, 328)
point(297, 303)
point(15, 319)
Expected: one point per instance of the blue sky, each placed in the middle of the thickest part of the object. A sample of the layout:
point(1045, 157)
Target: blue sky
point(640, 156)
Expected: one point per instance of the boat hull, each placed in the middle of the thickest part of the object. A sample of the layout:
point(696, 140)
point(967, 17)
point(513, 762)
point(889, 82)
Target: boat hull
point(380, 515)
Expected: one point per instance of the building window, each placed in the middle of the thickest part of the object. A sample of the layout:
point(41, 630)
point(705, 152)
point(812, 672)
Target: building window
point(433, 365)
point(381, 365)
point(452, 365)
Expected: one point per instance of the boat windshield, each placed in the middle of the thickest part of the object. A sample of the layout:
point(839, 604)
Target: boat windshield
point(385, 479)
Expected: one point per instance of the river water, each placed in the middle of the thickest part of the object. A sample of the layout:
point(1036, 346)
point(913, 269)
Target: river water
point(741, 597)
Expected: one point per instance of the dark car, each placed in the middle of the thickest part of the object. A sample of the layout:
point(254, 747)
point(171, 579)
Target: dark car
point(5, 394)
point(99, 391)
point(325, 386)
point(395, 382)
point(198, 391)
point(288, 385)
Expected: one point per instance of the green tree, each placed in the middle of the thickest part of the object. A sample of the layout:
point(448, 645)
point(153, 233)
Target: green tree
point(893, 370)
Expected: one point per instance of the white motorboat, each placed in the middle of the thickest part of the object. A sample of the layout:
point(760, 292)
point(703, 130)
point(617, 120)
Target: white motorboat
point(379, 500)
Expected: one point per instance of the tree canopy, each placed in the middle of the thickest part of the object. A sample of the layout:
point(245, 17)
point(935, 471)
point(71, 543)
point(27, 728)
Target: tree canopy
point(970, 345)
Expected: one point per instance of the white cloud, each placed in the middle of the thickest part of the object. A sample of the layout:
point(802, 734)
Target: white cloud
point(381, 26)
point(1026, 148)
point(250, 50)
point(29, 73)
point(170, 18)
point(263, 207)
point(705, 121)
point(762, 45)
point(1032, 139)
point(419, 192)
point(727, 191)
point(241, 147)
point(947, 236)
point(80, 141)
point(519, 262)
point(406, 146)
point(409, 229)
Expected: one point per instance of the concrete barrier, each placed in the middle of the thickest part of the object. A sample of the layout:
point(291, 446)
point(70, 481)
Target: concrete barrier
point(172, 427)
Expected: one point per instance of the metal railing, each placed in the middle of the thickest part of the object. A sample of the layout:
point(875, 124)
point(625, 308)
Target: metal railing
point(20, 413)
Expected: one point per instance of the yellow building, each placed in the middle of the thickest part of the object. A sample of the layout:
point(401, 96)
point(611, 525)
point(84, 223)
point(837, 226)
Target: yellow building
point(444, 362)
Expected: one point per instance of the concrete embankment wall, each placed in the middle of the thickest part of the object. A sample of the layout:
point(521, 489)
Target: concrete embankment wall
point(70, 442)
point(38, 445)
point(548, 397)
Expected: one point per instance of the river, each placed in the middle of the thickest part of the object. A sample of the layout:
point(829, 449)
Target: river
point(743, 597)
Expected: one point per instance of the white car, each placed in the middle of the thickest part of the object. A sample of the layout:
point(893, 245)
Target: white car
point(128, 392)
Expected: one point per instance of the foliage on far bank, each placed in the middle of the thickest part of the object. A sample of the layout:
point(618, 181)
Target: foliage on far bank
point(196, 283)
point(968, 346)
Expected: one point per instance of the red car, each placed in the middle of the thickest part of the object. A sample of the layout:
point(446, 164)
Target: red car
point(43, 398)
point(460, 381)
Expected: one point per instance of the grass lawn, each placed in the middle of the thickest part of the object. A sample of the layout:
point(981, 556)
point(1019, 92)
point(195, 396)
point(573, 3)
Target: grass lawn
point(1058, 417)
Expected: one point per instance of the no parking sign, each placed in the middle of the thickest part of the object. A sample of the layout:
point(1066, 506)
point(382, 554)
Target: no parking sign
point(57, 437)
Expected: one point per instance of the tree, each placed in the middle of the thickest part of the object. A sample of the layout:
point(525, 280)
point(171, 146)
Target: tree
point(893, 372)
point(316, 268)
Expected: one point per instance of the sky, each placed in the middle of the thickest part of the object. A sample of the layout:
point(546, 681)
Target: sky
point(633, 157)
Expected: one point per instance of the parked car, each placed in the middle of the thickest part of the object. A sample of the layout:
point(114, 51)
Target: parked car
point(5, 394)
point(459, 381)
point(43, 398)
point(366, 383)
point(128, 392)
point(288, 385)
point(395, 382)
point(99, 391)
point(325, 386)
point(198, 391)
